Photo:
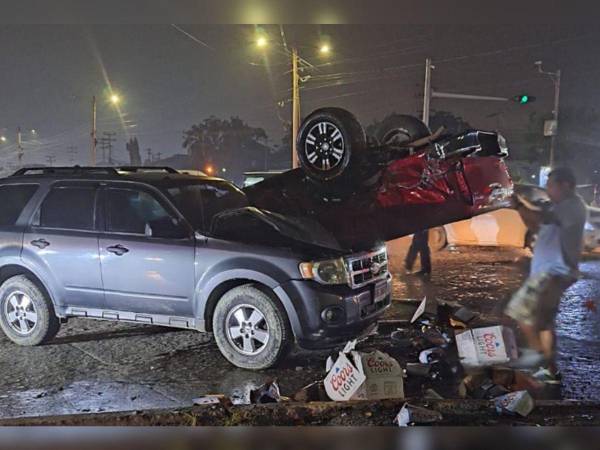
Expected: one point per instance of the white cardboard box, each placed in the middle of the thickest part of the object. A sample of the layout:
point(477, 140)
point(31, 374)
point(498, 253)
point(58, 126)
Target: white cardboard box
point(364, 376)
point(486, 346)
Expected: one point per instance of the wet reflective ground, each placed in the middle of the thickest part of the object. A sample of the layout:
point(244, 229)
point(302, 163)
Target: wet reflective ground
point(97, 366)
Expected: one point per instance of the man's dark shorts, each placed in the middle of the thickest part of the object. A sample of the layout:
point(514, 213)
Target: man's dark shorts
point(536, 302)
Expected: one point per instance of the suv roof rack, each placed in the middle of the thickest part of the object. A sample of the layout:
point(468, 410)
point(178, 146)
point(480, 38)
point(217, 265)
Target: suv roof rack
point(138, 169)
point(73, 170)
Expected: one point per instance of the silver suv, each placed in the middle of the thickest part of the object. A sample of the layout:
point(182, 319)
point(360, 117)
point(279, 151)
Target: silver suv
point(159, 247)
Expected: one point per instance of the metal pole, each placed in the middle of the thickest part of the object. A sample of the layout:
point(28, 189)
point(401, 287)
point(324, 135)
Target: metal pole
point(556, 80)
point(19, 147)
point(427, 91)
point(436, 94)
point(93, 133)
point(295, 106)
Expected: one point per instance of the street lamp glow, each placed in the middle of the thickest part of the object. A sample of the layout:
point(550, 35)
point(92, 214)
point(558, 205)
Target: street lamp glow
point(33, 131)
point(115, 99)
point(325, 49)
point(261, 42)
point(209, 169)
point(3, 138)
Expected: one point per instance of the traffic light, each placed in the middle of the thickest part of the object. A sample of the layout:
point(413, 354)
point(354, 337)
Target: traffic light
point(523, 99)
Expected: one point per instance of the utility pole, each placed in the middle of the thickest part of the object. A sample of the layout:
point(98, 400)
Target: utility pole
point(555, 77)
point(19, 147)
point(295, 106)
point(93, 133)
point(107, 144)
point(427, 91)
point(149, 151)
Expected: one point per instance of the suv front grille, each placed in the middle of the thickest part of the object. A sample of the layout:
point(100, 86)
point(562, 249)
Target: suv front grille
point(367, 267)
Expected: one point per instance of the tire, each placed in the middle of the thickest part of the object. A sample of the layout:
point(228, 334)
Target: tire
point(20, 292)
point(437, 239)
point(399, 129)
point(261, 352)
point(330, 144)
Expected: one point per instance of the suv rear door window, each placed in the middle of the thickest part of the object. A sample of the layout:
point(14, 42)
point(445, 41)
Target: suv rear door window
point(137, 212)
point(70, 208)
point(13, 198)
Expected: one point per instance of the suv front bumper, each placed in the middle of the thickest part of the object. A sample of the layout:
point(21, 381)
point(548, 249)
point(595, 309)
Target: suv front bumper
point(331, 315)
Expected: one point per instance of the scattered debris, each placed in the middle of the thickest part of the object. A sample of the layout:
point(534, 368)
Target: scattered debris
point(519, 402)
point(430, 394)
point(462, 317)
point(418, 369)
point(420, 310)
point(314, 392)
point(410, 414)
point(343, 379)
point(486, 346)
point(267, 393)
point(212, 399)
point(364, 376)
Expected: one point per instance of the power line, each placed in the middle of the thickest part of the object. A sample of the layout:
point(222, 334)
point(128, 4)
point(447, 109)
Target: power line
point(192, 37)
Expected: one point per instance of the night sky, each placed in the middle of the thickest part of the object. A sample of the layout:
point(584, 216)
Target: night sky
point(168, 81)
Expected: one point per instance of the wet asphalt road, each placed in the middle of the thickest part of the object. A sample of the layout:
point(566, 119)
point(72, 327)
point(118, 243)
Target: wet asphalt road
point(94, 366)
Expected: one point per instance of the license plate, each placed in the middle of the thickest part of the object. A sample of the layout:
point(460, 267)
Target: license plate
point(381, 291)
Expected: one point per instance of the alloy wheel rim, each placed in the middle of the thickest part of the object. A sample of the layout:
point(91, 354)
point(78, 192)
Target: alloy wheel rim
point(247, 329)
point(20, 313)
point(324, 146)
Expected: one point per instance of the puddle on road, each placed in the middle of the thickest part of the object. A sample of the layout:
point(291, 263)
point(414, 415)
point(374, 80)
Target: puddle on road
point(82, 397)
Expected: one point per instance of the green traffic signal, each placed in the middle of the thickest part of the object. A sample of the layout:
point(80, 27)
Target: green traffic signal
point(523, 99)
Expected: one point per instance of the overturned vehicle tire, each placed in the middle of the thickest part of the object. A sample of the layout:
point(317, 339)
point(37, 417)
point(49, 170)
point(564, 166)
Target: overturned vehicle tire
point(400, 129)
point(331, 143)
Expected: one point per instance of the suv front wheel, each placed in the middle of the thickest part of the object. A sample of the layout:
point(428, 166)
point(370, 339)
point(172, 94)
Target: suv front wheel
point(26, 314)
point(251, 329)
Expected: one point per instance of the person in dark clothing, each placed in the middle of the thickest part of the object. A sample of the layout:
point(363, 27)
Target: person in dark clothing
point(419, 246)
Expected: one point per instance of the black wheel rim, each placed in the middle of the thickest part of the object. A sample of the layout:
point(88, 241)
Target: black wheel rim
point(324, 146)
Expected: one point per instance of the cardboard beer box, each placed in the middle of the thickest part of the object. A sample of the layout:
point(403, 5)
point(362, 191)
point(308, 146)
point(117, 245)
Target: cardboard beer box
point(384, 377)
point(486, 346)
point(364, 376)
point(343, 379)
point(519, 402)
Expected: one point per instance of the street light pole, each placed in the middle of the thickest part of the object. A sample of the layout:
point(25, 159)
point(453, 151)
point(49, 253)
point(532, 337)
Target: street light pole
point(19, 146)
point(555, 115)
point(295, 106)
point(427, 91)
point(555, 77)
point(93, 133)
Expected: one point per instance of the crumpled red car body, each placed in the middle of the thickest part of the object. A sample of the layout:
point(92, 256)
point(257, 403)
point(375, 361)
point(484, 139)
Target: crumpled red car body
point(408, 194)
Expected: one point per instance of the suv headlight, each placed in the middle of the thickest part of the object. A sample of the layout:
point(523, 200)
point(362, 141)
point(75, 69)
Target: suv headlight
point(332, 271)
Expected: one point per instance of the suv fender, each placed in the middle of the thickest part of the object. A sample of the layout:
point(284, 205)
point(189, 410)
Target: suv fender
point(224, 281)
point(16, 266)
point(39, 269)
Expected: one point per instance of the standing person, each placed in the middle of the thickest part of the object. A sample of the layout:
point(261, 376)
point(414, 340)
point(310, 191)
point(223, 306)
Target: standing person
point(419, 246)
point(554, 267)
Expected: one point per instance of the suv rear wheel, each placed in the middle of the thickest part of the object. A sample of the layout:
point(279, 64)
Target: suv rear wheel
point(251, 329)
point(26, 314)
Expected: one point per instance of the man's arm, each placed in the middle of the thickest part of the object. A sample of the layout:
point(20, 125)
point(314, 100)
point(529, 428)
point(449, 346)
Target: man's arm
point(531, 214)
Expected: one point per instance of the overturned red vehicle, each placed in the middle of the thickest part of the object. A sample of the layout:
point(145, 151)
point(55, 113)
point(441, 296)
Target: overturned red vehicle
point(367, 190)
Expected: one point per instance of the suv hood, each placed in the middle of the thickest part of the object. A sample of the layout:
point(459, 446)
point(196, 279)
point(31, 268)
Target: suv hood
point(257, 226)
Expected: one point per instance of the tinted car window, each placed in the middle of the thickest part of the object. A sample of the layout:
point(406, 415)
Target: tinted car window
point(13, 198)
point(137, 212)
point(200, 202)
point(70, 208)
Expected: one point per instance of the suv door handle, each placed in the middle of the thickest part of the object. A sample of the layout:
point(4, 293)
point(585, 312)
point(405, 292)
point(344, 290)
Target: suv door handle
point(40, 243)
point(118, 250)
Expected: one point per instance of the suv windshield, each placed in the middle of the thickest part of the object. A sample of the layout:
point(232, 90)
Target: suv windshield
point(200, 201)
